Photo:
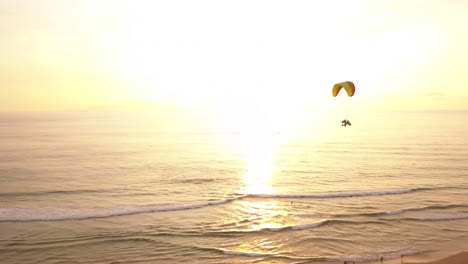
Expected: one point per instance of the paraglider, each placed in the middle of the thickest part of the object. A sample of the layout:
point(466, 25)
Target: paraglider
point(348, 86)
point(350, 89)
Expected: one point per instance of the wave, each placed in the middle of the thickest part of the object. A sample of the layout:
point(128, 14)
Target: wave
point(275, 255)
point(247, 253)
point(424, 208)
point(120, 191)
point(298, 227)
point(386, 214)
point(29, 214)
point(438, 218)
point(192, 181)
point(395, 212)
point(26, 214)
point(333, 195)
point(219, 231)
point(63, 192)
point(357, 258)
point(295, 226)
point(267, 229)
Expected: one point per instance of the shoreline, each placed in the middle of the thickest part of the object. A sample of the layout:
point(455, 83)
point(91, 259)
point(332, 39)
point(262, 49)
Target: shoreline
point(432, 257)
point(454, 258)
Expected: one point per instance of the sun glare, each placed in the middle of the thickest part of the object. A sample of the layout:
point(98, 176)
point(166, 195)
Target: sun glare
point(259, 166)
point(259, 153)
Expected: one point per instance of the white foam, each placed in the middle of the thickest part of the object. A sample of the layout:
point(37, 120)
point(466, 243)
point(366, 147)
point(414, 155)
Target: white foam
point(274, 229)
point(306, 226)
point(395, 212)
point(297, 227)
point(26, 214)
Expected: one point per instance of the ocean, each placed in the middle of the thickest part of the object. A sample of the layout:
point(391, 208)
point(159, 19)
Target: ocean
point(124, 188)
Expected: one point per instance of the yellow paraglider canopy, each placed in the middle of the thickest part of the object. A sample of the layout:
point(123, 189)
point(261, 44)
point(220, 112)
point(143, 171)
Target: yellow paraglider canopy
point(348, 86)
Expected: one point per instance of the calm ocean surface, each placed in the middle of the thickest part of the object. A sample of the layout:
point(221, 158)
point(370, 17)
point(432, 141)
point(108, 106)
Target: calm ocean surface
point(122, 188)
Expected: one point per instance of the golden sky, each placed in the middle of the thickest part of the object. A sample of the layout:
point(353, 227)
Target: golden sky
point(58, 55)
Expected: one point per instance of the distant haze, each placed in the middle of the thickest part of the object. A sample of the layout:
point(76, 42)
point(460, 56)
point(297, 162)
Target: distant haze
point(279, 55)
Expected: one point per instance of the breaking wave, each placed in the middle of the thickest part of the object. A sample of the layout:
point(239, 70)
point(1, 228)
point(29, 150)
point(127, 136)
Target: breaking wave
point(333, 195)
point(298, 227)
point(28, 214)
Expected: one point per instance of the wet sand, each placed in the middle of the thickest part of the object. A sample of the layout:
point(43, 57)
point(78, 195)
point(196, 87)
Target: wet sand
point(460, 258)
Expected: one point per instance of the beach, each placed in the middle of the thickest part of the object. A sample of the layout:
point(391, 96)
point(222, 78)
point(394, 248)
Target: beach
point(459, 258)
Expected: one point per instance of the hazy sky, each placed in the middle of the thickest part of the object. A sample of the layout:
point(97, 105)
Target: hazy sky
point(120, 55)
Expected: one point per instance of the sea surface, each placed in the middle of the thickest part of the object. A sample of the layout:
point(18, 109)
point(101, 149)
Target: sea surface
point(125, 188)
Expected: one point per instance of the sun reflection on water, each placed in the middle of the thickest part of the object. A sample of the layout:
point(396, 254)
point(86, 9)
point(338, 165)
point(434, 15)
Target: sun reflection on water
point(259, 155)
point(257, 216)
point(259, 146)
point(264, 214)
